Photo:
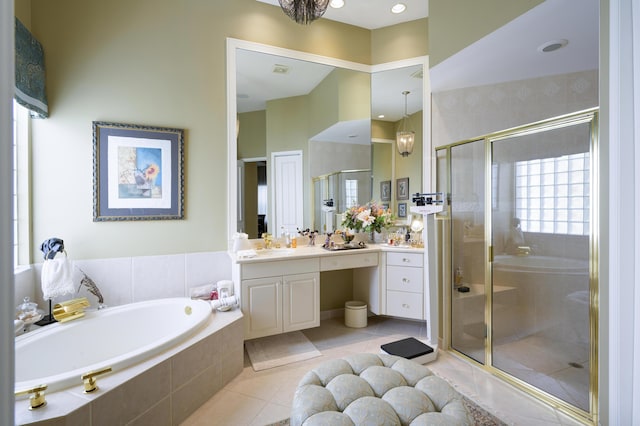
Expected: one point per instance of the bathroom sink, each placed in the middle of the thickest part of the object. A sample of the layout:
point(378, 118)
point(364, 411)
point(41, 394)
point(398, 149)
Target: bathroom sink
point(276, 252)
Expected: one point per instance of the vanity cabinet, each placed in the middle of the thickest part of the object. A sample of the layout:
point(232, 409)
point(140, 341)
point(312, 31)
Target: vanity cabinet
point(405, 285)
point(280, 292)
point(275, 303)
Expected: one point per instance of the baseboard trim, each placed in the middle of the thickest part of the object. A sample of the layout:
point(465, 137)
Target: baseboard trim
point(331, 313)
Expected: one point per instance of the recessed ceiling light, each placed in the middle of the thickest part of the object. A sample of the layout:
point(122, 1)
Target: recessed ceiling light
point(552, 45)
point(336, 4)
point(398, 8)
point(381, 116)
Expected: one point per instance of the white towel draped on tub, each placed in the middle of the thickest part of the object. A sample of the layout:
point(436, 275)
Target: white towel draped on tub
point(56, 277)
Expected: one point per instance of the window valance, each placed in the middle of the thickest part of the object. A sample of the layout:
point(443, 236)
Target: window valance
point(30, 79)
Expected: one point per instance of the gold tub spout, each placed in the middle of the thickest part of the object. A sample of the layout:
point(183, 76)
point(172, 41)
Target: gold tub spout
point(70, 309)
point(523, 251)
point(36, 400)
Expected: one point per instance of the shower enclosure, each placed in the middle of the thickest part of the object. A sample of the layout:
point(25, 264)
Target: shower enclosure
point(519, 238)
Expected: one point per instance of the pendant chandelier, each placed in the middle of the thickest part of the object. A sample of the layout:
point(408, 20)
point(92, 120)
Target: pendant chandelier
point(405, 137)
point(304, 11)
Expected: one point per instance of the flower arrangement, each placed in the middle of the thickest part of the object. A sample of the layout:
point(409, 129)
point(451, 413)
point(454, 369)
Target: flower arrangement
point(369, 217)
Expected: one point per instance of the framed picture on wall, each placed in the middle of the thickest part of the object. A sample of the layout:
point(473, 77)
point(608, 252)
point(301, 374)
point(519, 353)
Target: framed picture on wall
point(402, 209)
point(402, 188)
point(138, 172)
point(385, 190)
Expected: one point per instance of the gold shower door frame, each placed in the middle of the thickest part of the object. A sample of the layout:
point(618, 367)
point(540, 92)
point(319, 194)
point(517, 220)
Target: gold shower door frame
point(447, 264)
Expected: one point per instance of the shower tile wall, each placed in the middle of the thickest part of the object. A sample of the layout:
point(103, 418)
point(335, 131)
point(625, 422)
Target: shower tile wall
point(475, 111)
point(134, 279)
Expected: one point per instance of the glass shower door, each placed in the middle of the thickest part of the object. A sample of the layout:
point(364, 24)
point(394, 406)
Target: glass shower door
point(540, 226)
point(468, 297)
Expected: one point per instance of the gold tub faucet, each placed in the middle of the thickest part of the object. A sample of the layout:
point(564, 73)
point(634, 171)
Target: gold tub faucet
point(70, 309)
point(89, 379)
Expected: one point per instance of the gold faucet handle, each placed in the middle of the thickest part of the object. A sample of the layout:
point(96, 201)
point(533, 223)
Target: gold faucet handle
point(36, 400)
point(89, 379)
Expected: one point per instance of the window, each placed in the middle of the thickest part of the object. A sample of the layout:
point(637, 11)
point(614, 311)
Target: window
point(20, 185)
point(351, 192)
point(552, 194)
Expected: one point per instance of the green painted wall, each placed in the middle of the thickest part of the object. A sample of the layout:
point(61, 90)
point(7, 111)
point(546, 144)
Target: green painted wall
point(381, 166)
point(158, 63)
point(252, 138)
point(401, 41)
point(343, 95)
point(336, 289)
point(456, 24)
point(22, 10)
point(411, 166)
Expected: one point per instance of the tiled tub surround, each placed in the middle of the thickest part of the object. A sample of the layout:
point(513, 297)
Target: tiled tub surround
point(163, 390)
point(133, 279)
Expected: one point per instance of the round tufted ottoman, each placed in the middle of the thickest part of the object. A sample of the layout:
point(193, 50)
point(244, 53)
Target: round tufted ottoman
point(375, 389)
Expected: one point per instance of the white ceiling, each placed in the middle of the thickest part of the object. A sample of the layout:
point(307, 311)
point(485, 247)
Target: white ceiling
point(372, 14)
point(511, 52)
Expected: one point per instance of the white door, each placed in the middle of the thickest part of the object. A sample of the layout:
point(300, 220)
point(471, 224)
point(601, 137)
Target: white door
point(287, 182)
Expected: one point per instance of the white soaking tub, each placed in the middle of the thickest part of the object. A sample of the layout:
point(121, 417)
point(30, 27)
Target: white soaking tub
point(117, 337)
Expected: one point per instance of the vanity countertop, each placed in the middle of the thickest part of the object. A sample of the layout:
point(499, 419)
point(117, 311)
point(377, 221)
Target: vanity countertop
point(301, 252)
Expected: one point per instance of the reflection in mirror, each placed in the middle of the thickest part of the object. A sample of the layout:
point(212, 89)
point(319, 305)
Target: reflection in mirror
point(387, 109)
point(286, 104)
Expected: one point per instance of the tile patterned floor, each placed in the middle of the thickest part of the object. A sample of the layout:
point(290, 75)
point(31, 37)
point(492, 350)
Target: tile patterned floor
point(260, 398)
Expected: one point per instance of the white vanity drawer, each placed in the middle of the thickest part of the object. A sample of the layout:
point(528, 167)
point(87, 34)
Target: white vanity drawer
point(348, 261)
point(404, 305)
point(405, 259)
point(405, 279)
point(279, 267)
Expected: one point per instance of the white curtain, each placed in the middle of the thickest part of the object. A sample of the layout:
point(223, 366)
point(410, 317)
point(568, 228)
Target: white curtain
point(623, 121)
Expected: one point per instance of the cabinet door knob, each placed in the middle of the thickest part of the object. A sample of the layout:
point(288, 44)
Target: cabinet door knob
point(404, 305)
point(405, 260)
point(405, 280)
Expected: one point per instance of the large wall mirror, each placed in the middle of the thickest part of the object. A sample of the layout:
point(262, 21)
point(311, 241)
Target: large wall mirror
point(304, 129)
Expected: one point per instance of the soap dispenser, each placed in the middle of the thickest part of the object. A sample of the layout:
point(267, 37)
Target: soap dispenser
point(457, 278)
point(286, 239)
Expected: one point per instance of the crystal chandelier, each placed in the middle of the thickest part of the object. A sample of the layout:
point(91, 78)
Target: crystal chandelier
point(304, 11)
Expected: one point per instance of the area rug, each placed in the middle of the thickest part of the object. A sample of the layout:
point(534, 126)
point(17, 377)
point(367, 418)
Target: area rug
point(281, 349)
point(480, 416)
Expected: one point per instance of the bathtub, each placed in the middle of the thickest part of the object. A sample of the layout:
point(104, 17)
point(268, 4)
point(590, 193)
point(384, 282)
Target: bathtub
point(540, 264)
point(117, 337)
point(548, 290)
